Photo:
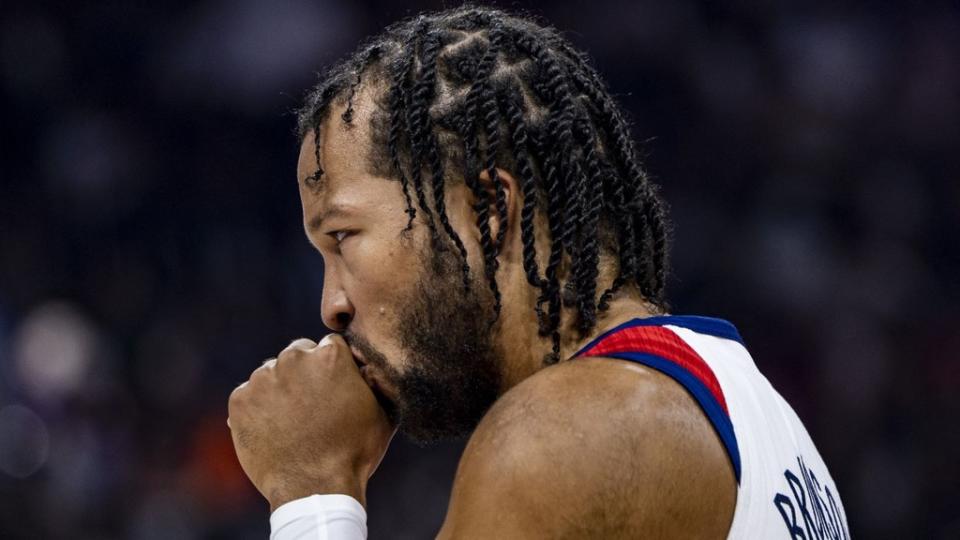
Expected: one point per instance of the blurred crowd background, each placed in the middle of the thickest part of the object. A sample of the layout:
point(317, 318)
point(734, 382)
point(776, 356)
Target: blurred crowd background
point(152, 252)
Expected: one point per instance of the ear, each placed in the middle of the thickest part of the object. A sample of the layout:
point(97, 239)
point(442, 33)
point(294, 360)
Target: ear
point(509, 191)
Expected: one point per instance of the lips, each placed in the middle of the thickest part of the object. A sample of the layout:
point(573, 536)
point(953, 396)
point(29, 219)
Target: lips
point(382, 389)
point(358, 357)
point(364, 368)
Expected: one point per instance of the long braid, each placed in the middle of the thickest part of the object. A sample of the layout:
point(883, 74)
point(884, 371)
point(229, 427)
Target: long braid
point(555, 221)
point(550, 290)
point(482, 208)
point(512, 104)
point(423, 137)
point(626, 242)
point(321, 100)
point(491, 128)
point(472, 158)
point(586, 277)
point(412, 116)
point(395, 101)
point(365, 58)
point(560, 122)
point(657, 216)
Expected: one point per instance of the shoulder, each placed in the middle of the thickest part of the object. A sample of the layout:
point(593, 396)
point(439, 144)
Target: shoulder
point(596, 445)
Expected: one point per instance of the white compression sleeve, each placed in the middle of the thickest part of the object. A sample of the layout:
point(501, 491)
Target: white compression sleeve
point(319, 517)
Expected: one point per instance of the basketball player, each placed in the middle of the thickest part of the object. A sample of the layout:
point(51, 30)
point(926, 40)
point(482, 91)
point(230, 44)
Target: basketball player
point(494, 265)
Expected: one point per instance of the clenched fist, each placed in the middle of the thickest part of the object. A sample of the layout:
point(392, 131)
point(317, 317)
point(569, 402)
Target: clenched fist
point(306, 422)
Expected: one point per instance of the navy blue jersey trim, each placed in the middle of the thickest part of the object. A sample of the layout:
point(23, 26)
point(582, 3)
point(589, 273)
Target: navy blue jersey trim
point(719, 419)
point(702, 325)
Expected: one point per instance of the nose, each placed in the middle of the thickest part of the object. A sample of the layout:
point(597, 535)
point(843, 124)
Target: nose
point(337, 311)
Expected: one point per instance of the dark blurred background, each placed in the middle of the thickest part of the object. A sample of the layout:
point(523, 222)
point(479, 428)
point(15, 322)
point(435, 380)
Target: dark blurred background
point(152, 253)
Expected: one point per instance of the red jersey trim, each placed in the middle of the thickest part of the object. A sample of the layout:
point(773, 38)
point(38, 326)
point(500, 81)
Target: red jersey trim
point(664, 343)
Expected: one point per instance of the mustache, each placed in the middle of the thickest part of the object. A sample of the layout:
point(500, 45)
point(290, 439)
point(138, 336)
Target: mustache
point(370, 354)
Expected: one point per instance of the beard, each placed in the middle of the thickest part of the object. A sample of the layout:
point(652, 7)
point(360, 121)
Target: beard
point(451, 376)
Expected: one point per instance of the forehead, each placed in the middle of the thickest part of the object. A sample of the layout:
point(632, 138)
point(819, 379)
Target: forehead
point(342, 147)
point(342, 154)
point(351, 185)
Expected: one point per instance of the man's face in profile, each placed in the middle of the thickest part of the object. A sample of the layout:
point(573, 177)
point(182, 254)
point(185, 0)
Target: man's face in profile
point(397, 297)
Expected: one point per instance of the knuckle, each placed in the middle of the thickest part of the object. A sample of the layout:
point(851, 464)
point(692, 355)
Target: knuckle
point(260, 373)
point(290, 353)
point(298, 347)
point(237, 396)
point(302, 343)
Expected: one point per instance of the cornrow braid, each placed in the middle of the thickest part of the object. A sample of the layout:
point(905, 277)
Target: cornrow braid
point(475, 89)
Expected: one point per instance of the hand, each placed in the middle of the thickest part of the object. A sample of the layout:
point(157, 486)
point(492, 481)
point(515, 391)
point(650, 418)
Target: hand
point(306, 423)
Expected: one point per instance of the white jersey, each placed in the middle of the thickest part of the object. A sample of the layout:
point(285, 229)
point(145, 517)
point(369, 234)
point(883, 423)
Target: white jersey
point(784, 488)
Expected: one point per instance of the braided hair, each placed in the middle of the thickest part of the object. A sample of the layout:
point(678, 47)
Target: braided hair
point(474, 89)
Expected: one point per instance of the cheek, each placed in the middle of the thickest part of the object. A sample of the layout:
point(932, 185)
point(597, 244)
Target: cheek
point(385, 262)
point(376, 273)
point(383, 276)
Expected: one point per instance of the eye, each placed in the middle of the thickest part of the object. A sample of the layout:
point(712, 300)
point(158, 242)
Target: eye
point(339, 236)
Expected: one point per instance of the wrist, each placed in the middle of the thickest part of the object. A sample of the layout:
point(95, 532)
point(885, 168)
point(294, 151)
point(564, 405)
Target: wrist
point(287, 491)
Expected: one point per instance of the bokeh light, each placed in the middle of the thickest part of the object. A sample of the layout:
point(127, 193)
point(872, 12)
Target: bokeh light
point(53, 351)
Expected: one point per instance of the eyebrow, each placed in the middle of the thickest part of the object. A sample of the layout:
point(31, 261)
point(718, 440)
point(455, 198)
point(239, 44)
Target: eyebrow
point(334, 211)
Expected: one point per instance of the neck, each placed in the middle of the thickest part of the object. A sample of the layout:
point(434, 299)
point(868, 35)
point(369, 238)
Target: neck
point(526, 348)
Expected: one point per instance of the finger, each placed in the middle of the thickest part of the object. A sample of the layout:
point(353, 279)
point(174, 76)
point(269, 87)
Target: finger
point(269, 363)
point(332, 340)
point(303, 344)
point(338, 346)
point(342, 351)
point(295, 349)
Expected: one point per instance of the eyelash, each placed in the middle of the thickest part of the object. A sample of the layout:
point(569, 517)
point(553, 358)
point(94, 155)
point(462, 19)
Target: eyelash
point(339, 236)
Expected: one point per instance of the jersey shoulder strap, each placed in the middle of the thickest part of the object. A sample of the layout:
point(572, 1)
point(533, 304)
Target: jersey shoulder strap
point(647, 342)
